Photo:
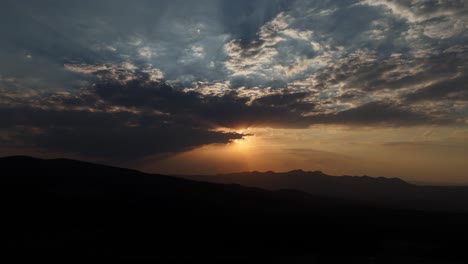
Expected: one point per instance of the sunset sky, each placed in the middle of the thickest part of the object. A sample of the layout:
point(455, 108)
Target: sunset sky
point(370, 87)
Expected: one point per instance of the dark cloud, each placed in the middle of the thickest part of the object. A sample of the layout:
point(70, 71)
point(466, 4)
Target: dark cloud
point(282, 99)
point(380, 113)
point(137, 118)
point(119, 135)
point(281, 110)
point(129, 142)
point(166, 119)
point(452, 89)
point(229, 110)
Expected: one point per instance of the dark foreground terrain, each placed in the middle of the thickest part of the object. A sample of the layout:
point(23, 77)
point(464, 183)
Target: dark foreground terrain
point(71, 211)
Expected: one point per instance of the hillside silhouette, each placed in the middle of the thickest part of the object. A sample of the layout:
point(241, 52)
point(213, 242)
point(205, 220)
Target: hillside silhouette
point(72, 211)
point(379, 191)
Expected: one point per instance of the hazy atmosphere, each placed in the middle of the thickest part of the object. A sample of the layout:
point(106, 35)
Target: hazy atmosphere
point(189, 87)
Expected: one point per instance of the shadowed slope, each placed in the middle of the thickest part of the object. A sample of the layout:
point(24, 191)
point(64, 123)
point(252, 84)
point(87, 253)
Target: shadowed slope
point(70, 210)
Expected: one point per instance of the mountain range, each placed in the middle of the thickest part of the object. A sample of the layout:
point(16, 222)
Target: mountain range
point(380, 191)
point(72, 211)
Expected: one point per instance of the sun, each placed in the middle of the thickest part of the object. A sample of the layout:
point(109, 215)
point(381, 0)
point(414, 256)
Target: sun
point(244, 144)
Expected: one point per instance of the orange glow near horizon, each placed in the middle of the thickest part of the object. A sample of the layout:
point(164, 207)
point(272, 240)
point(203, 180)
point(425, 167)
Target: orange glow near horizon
point(417, 154)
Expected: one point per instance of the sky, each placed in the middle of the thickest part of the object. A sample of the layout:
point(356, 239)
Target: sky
point(348, 87)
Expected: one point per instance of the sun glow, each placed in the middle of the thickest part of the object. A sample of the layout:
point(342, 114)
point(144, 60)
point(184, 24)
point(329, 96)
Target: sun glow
point(244, 144)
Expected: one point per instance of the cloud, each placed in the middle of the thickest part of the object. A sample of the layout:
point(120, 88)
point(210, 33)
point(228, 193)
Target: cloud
point(118, 119)
point(228, 110)
point(110, 135)
point(454, 88)
point(434, 19)
point(380, 113)
point(409, 144)
point(164, 67)
point(282, 109)
point(119, 72)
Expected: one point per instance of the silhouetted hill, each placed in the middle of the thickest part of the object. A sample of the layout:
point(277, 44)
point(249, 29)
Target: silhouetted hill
point(379, 191)
point(74, 211)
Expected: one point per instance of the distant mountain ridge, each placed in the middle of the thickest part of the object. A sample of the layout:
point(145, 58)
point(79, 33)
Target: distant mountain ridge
point(380, 190)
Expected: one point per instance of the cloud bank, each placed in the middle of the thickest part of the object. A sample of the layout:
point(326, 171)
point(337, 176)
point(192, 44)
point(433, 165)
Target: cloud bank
point(117, 80)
